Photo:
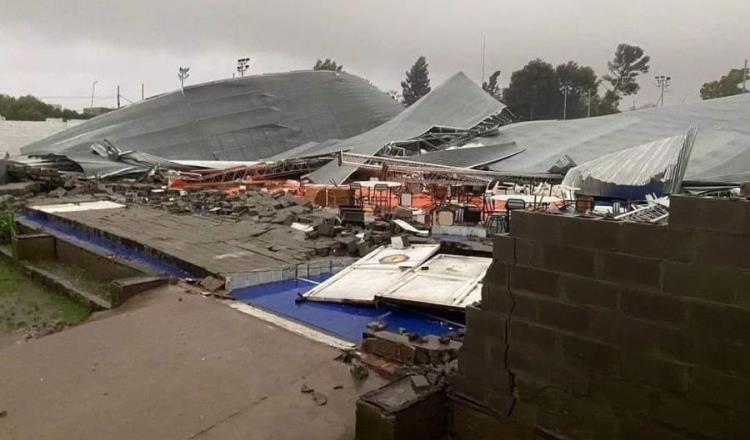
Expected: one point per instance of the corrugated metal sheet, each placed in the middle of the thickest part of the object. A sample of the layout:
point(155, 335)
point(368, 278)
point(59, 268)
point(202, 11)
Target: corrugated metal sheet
point(236, 119)
point(457, 103)
point(721, 152)
point(655, 167)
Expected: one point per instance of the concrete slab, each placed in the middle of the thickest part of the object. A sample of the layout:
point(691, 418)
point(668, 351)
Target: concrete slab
point(218, 246)
point(170, 365)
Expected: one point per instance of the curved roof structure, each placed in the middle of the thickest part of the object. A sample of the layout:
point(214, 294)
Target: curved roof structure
point(235, 119)
point(458, 103)
point(657, 168)
point(721, 153)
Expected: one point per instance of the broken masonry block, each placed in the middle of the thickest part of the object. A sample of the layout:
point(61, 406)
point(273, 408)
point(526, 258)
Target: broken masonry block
point(399, 410)
point(211, 283)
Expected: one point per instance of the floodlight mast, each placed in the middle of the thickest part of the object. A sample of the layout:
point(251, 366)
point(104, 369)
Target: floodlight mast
point(662, 81)
point(566, 89)
point(183, 73)
point(243, 64)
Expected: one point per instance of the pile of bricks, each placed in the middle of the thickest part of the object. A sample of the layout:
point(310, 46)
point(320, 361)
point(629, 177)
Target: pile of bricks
point(426, 350)
point(593, 329)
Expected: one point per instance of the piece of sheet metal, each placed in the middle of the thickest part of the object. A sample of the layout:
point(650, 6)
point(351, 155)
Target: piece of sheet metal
point(450, 281)
point(656, 167)
point(76, 207)
point(372, 275)
point(408, 227)
point(470, 157)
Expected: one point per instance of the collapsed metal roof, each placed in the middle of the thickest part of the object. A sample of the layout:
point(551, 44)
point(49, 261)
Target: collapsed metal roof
point(470, 157)
point(721, 152)
point(312, 113)
point(656, 167)
point(235, 119)
point(457, 104)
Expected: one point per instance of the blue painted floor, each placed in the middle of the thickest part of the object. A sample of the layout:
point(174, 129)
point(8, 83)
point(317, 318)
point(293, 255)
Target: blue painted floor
point(346, 321)
point(343, 320)
point(79, 235)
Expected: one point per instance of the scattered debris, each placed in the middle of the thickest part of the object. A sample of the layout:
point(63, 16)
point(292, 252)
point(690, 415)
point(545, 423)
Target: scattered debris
point(358, 371)
point(319, 398)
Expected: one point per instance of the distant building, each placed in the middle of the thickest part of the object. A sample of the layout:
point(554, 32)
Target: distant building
point(96, 111)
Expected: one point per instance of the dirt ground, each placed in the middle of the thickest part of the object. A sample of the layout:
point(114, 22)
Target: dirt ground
point(171, 365)
point(29, 309)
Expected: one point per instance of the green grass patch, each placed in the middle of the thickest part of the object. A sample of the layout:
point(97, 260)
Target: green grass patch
point(28, 305)
point(7, 223)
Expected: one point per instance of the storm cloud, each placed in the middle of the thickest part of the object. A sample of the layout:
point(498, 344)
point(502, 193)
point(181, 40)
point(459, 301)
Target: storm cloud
point(57, 48)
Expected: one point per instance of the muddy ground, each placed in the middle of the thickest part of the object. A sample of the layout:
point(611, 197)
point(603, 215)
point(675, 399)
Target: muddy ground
point(28, 309)
point(169, 365)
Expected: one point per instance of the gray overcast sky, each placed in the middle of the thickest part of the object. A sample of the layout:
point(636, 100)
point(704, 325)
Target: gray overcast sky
point(56, 48)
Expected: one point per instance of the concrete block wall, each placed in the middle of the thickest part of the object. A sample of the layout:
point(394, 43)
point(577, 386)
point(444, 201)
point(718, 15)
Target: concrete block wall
point(595, 329)
point(33, 247)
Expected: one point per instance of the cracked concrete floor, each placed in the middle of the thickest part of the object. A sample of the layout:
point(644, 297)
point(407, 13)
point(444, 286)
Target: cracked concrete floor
point(170, 365)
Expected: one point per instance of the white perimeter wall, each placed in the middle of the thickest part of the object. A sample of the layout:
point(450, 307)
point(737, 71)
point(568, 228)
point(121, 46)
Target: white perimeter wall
point(16, 134)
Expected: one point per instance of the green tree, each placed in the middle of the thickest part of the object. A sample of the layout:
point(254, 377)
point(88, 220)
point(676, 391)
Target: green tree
point(492, 86)
point(609, 103)
point(727, 85)
point(328, 64)
point(534, 91)
point(629, 62)
point(417, 82)
point(584, 85)
point(29, 108)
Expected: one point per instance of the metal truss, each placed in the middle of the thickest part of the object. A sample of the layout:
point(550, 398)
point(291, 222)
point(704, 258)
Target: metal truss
point(261, 171)
point(408, 170)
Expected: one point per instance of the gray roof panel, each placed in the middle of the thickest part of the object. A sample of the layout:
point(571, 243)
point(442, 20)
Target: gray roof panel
point(721, 152)
point(236, 119)
point(457, 103)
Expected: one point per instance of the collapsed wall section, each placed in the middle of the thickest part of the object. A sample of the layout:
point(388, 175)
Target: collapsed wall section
point(592, 329)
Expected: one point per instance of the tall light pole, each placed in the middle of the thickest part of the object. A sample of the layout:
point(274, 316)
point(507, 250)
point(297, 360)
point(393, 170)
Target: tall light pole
point(484, 47)
point(588, 103)
point(662, 82)
point(93, 90)
point(183, 73)
point(242, 65)
point(565, 89)
point(745, 72)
